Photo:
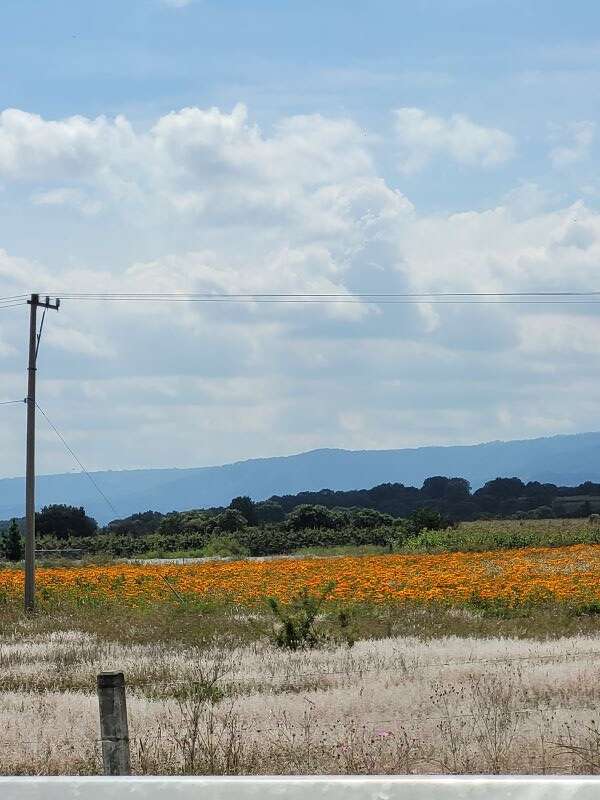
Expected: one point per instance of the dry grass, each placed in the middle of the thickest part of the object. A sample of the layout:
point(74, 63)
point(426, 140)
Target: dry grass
point(425, 688)
point(393, 705)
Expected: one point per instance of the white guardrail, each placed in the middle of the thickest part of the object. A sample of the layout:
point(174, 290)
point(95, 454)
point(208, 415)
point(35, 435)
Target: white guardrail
point(302, 788)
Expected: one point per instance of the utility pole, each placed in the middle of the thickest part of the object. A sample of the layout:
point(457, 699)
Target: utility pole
point(34, 343)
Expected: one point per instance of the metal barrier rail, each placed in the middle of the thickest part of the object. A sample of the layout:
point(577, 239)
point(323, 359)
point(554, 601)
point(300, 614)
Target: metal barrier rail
point(301, 788)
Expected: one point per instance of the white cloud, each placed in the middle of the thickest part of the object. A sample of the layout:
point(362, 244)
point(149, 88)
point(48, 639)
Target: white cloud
point(207, 202)
point(423, 137)
point(67, 197)
point(529, 199)
point(35, 149)
point(72, 340)
point(192, 163)
point(579, 138)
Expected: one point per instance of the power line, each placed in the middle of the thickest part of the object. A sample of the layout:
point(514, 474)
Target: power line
point(358, 302)
point(351, 297)
point(13, 297)
point(349, 291)
point(10, 402)
point(61, 437)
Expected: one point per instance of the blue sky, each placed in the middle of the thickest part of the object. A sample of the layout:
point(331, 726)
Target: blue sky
point(520, 66)
point(303, 146)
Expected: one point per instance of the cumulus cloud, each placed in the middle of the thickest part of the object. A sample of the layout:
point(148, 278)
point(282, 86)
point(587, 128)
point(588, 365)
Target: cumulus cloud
point(575, 139)
point(67, 197)
point(35, 149)
point(193, 163)
point(208, 202)
point(422, 137)
point(529, 199)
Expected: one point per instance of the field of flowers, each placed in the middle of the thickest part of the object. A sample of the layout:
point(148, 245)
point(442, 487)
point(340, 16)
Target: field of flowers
point(433, 672)
point(512, 576)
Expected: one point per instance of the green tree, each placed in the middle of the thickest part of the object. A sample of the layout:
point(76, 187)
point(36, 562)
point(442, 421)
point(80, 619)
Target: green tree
point(435, 487)
point(136, 525)
point(13, 543)
point(246, 507)
point(368, 518)
point(425, 519)
point(457, 489)
point(306, 517)
point(229, 521)
point(503, 488)
point(62, 522)
point(269, 511)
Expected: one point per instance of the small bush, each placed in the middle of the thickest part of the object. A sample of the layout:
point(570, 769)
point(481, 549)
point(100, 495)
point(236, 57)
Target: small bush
point(295, 622)
point(224, 546)
point(426, 519)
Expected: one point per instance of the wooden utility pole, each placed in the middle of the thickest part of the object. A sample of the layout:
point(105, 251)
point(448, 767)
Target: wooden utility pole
point(34, 343)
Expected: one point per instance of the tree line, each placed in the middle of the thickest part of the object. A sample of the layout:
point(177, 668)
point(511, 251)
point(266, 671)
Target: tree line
point(500, 498)
point(386, 515)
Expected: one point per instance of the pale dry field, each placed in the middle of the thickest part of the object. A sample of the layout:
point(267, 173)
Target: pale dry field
point(396, 705)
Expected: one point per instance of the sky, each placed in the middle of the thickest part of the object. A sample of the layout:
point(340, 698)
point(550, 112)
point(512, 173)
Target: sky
point(257, 146)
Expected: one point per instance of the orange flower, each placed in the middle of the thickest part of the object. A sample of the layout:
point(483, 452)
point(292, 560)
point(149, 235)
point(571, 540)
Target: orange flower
point(564, 574)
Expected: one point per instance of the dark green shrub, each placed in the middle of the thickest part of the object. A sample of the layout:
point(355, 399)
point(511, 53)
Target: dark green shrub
point(426, 519)
point(13, 543)
point(224, 546)
point(295, 622)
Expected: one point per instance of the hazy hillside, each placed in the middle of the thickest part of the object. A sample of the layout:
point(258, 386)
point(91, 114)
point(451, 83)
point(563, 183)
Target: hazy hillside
point(565, 460)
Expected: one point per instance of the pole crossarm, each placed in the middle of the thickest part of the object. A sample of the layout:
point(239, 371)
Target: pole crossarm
point(45, 303)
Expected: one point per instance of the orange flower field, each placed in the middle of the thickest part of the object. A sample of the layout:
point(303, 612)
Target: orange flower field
point(561, 573)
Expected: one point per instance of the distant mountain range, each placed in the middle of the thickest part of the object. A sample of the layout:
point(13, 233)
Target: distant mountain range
point(563, 460)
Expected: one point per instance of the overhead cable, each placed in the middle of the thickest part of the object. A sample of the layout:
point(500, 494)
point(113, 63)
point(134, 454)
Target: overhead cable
point(70, 450)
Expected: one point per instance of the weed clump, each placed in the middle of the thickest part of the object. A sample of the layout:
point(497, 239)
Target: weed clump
point(296, 621)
